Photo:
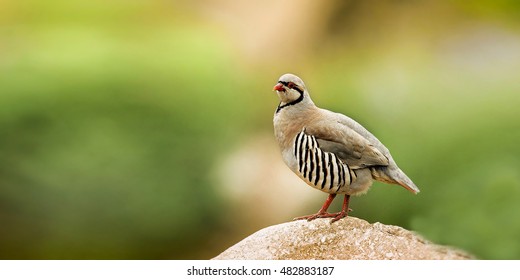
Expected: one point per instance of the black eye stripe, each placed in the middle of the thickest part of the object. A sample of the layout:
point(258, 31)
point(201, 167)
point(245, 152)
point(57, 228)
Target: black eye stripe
point(295, 87)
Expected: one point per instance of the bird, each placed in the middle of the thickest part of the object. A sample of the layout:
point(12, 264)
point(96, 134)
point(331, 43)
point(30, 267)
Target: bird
point(330, 151)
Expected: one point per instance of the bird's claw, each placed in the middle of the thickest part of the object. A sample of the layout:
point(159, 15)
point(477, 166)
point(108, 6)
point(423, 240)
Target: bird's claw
point(336, 216)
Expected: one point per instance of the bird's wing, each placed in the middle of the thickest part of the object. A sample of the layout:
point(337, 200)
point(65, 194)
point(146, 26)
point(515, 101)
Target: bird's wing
point(347, 144)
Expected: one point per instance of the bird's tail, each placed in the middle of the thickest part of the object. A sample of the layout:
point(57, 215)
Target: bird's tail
point(394, 176)
point(407, 183)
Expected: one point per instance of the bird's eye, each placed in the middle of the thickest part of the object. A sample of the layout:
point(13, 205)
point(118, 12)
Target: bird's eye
point(291, 85)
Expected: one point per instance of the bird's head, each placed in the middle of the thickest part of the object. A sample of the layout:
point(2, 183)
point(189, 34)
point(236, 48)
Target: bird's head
point(291, 90)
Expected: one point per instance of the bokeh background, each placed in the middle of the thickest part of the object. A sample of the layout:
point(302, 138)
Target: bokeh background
point(138, 129)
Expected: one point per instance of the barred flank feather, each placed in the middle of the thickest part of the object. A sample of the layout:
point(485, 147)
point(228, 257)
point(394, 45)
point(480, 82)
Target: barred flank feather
point(320, 168)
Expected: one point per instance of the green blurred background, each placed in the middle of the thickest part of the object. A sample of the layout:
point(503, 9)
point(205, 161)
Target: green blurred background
point(143, 129)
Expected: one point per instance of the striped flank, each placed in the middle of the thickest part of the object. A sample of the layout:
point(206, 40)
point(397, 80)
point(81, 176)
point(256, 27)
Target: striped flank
point(320, 168)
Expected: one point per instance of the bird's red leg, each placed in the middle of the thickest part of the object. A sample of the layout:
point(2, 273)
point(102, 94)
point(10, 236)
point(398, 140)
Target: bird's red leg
point(323, 211)
point(344, 210)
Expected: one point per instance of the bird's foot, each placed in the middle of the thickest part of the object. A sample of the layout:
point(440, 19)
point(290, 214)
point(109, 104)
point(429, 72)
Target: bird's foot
point(336, 216)
point(316, 216)
point(340, 215)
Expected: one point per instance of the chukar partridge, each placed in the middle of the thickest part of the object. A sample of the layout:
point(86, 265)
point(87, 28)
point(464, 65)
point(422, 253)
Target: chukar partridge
point(329, 151)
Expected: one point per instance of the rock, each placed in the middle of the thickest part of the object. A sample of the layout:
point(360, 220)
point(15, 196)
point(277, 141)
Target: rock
point(347, 239)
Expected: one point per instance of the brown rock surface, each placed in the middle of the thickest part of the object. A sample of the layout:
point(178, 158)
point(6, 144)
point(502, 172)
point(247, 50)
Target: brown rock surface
point(347, 239)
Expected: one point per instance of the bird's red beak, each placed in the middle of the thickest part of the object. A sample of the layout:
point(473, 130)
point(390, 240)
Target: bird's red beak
point(278, 87)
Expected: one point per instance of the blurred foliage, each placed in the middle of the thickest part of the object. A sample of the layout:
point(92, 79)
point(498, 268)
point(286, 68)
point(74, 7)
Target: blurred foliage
point(105, 135)
point(113, 115)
